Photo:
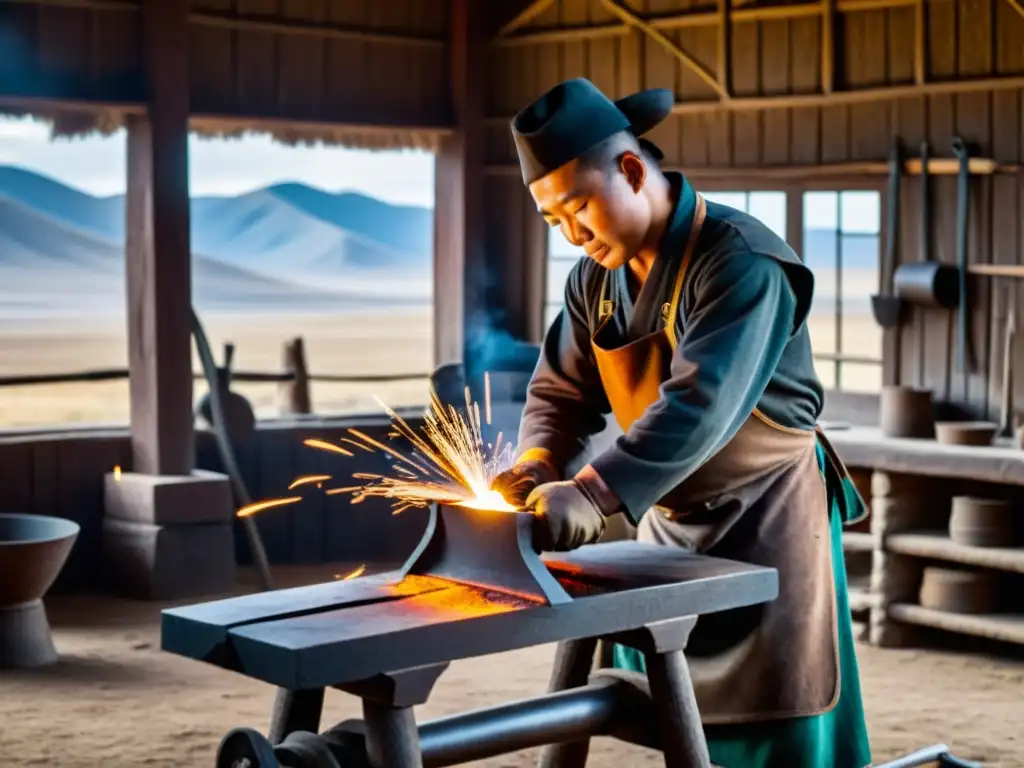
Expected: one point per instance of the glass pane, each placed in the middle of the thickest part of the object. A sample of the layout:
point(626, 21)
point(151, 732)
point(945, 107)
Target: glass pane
point(821, 210)
point(862, 336)
point(737, 200)
point(558, 272)
point(860, 377)
point(820, 249)
point(770, 208)
point(861, 212)
point(826, 371)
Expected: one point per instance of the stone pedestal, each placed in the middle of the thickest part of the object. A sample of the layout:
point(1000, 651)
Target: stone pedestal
point(169, 537)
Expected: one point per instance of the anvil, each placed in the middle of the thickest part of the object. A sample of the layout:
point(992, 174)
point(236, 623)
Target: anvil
point(484, 548)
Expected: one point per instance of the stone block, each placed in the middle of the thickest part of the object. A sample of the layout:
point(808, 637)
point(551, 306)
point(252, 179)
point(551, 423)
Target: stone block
point(202, 497)
point(168, 562)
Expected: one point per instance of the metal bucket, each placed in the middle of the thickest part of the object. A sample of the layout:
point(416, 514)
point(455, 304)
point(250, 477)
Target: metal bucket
point(928, 284)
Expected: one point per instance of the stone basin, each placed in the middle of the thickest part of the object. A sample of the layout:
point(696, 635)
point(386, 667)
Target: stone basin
point(33, 549)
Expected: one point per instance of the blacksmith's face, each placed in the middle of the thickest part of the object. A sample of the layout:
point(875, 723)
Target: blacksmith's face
point(601, 210)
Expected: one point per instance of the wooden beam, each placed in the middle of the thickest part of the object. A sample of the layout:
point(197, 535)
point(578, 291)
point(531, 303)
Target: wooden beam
point(633, 20)
point(695, 19)
point(524, 17)
point(1018, 6)
point(459, 254)
point(158, 250)
point(858, 169)
point(855, 96)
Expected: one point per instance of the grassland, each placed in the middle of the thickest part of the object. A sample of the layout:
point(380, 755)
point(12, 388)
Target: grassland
point(368, 344)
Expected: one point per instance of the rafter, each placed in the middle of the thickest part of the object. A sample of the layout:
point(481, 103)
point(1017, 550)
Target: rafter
point(524, 17)
point(631, 19)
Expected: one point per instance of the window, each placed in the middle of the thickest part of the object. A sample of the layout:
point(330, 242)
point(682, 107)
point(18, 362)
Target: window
point(769, 207)
point(841, 246)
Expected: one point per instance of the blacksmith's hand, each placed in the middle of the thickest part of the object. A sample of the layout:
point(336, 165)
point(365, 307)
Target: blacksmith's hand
point(564, 517)
point(572, 513)
point(516, 483)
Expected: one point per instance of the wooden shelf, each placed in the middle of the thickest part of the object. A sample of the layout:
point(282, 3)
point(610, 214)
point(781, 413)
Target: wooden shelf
point(858, 541)
point(937, 545)
point(997, 270)
point(1004, 627)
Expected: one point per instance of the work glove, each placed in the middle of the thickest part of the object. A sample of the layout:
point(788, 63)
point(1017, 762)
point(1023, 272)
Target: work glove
point(565, 516)
point(516, 483)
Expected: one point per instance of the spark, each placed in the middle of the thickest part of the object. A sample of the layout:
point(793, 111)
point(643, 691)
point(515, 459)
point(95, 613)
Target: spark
point(448, 463)
point(117, 473)
point(354, 575)
point(259, 506)
point(323, 445)
point(308, 480)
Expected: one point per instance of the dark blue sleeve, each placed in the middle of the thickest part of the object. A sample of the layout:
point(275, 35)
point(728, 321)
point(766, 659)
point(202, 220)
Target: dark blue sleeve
point(735, 334)
point(565, 403)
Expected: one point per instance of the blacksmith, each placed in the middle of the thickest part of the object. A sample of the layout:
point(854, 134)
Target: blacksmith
point(687, 323)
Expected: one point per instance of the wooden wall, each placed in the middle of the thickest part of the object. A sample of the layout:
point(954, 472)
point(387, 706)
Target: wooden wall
point(966, 39)
point(62, 474)
point(312, 60)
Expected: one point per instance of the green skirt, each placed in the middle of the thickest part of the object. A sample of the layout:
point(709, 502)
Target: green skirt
point(835, 739)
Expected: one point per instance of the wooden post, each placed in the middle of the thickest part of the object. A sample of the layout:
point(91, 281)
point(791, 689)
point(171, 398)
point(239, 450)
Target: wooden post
point(294, 395)
point(158, 250)
point(459, 259)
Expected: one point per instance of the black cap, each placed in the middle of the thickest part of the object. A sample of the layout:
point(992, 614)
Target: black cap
point(574, 116)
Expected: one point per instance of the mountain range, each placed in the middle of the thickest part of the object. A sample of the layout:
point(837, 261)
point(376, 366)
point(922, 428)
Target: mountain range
point(282, 246)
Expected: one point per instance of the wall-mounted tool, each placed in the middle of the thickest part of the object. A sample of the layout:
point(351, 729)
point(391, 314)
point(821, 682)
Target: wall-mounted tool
point(890, 310)
point(963, 192)
point(1006, 402)
point(926, 283)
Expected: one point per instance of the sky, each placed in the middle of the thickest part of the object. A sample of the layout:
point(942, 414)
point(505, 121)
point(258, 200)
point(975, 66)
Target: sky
point(224, 166)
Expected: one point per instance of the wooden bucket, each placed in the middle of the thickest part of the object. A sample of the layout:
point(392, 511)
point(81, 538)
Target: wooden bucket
point(981, 522)
point(959, 591)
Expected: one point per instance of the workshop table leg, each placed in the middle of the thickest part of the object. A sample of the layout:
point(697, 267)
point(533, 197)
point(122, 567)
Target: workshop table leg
point(574, 661)
point(295, 711)
point(392, 738)
point(680, 731)
point(679, 726)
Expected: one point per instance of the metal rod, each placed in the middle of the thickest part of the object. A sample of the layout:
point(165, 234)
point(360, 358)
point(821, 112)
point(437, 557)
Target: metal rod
point(567, 716)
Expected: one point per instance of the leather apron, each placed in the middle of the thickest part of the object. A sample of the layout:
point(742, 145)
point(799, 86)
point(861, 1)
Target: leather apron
point(761, 499)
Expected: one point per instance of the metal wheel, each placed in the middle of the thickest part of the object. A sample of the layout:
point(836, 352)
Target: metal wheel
point(245, 748)
point(302, 749)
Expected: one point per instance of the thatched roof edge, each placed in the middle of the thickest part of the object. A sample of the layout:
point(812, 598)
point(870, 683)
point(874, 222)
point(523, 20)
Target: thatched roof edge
point(105, 120)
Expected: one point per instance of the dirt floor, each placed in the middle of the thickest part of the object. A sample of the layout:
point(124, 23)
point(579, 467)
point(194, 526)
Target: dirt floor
point(116, 700)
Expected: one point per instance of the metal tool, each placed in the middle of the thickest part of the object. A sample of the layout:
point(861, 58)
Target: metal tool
point(963, 192)
point(925, 283)
point(1006, 402)
point(890, 310)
